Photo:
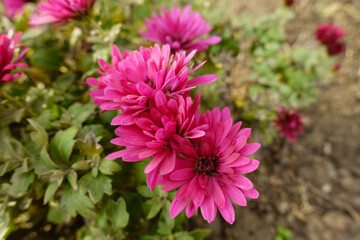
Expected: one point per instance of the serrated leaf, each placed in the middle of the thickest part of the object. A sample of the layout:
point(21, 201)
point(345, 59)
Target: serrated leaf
point(81, 165)
point(45, 158)
point(62, 145)
point(96, 186)
point(109, 166)
point(40, 137)
point(9, 116)
point(79, 113)
point(58, 214)
point(117, 213)
point(72, 179)
point(89, 145)
point(50, 191)
point(20, 182)
point(77, 201)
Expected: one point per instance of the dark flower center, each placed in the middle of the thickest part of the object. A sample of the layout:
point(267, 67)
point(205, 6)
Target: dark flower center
point(207, 165)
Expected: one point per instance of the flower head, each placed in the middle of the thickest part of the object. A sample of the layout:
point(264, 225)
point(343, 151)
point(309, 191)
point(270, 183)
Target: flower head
point(59, 11)
point(289, 2)
point(8, 45)
point(289, 123)
point(153, 133)
point(134, 77)
point(335, 48)
point(13, 6)
point(209, 169)
point(329, 33)
point(181, 29)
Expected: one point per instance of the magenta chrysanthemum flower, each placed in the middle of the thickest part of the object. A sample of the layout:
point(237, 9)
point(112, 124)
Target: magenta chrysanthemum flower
point(13, 6)
point(59, 11)
point(329, 33)
point(209, 169)
point(134, 77)
point(335, 48)
point(181, 29)
point(8, 44)
point(289, 123)
point(154, 132)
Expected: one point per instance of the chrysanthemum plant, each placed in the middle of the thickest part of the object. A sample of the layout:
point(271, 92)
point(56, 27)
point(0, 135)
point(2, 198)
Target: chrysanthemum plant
point(67, 167)
point(283, 74)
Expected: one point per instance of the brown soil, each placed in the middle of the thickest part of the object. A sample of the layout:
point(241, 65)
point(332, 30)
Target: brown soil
point(312, 187)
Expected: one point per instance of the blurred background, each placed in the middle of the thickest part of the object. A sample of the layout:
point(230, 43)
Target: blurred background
point(311, 188)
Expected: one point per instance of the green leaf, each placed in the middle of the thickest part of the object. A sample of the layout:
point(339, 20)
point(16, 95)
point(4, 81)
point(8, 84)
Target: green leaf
point(200, 234)
point(45, 158)
point(89, 145)
point(145, 191)
point(79, 113)
point(170, 222)
point(96, 186)
point(109, 166)
point(163, 229)
point(59, 214)
point(20, 182)
point(183, 236)
point(77, 201)
point(81, 165)
point(9, 116)
point(155, 209)
point(62, 145)
point(117, 213)
point(50, 191)
point(40, 137)
point(72, 179)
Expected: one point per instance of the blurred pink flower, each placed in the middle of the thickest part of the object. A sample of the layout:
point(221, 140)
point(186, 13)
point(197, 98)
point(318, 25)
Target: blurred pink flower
point(13, 6)
point(289, 2)
point(153, 133)
point(335, 48)
point(181, 29)
point(8, 44)
point(289, 123)
point(329, 33)
point(209, 169)
point(59, 11)
point(134, 77)
point(336, 66)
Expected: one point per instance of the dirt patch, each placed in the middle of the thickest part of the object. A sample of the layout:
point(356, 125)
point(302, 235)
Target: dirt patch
point(313, 187)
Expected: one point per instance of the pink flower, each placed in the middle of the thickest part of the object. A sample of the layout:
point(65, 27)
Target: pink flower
point(329, 33)
point(336, 66)
point(13, 6)
point(134, 77)
point(8, 44)
point(289, 123)
point(289, 2)
point(181, 29)
point(209, 169)
point(154, 131)
point(335, 48)
point(59, 11)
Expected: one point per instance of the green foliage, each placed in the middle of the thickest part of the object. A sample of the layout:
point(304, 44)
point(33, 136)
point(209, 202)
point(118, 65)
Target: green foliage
point(283, 233)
